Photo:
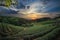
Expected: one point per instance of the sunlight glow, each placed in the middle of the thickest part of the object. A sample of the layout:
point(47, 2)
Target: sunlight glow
point(38, 10)
point(32, 16)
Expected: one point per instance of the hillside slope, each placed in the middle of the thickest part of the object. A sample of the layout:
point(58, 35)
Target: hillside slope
point(12, 28)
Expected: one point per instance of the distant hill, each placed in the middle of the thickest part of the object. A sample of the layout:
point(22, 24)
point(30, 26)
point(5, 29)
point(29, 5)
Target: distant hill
point(14, 28)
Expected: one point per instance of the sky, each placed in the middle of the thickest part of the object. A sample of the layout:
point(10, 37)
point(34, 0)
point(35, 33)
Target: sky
point(37, 9)
point(48, 5)
point(40, 5)
point(42, 8)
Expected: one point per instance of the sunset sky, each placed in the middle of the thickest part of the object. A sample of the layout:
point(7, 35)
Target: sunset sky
point(37, 9)
point(41, 8)
point(44, 5)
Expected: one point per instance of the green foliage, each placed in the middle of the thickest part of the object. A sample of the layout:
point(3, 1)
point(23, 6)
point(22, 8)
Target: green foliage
point(7, 3)
point(9, 31)
point(22, 29)
point(51, 35)
point(16, 21)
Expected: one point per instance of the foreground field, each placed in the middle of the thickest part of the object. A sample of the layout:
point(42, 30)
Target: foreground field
point(12, 28)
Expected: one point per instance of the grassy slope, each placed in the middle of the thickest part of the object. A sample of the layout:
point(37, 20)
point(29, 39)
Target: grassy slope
point(39, 31)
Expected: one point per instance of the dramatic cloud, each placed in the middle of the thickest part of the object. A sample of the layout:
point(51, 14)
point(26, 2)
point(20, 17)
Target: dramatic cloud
point(38, 9)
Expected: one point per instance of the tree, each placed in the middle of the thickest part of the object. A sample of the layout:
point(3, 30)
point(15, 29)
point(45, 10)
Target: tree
point(7, 3)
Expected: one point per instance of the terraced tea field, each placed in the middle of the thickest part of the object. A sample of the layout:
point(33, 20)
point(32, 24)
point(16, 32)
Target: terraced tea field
point(44, 30)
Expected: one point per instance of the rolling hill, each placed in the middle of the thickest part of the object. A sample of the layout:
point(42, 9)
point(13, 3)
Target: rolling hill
point(13, 28)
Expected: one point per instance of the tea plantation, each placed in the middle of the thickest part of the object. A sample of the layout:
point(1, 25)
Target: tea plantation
point(13, 28)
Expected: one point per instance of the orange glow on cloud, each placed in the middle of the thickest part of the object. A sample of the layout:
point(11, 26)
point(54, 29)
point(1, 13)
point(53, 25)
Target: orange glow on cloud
point(32, 16)
point(35, 15)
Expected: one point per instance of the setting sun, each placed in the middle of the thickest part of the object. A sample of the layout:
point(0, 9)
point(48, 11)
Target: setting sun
point(32, 16)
